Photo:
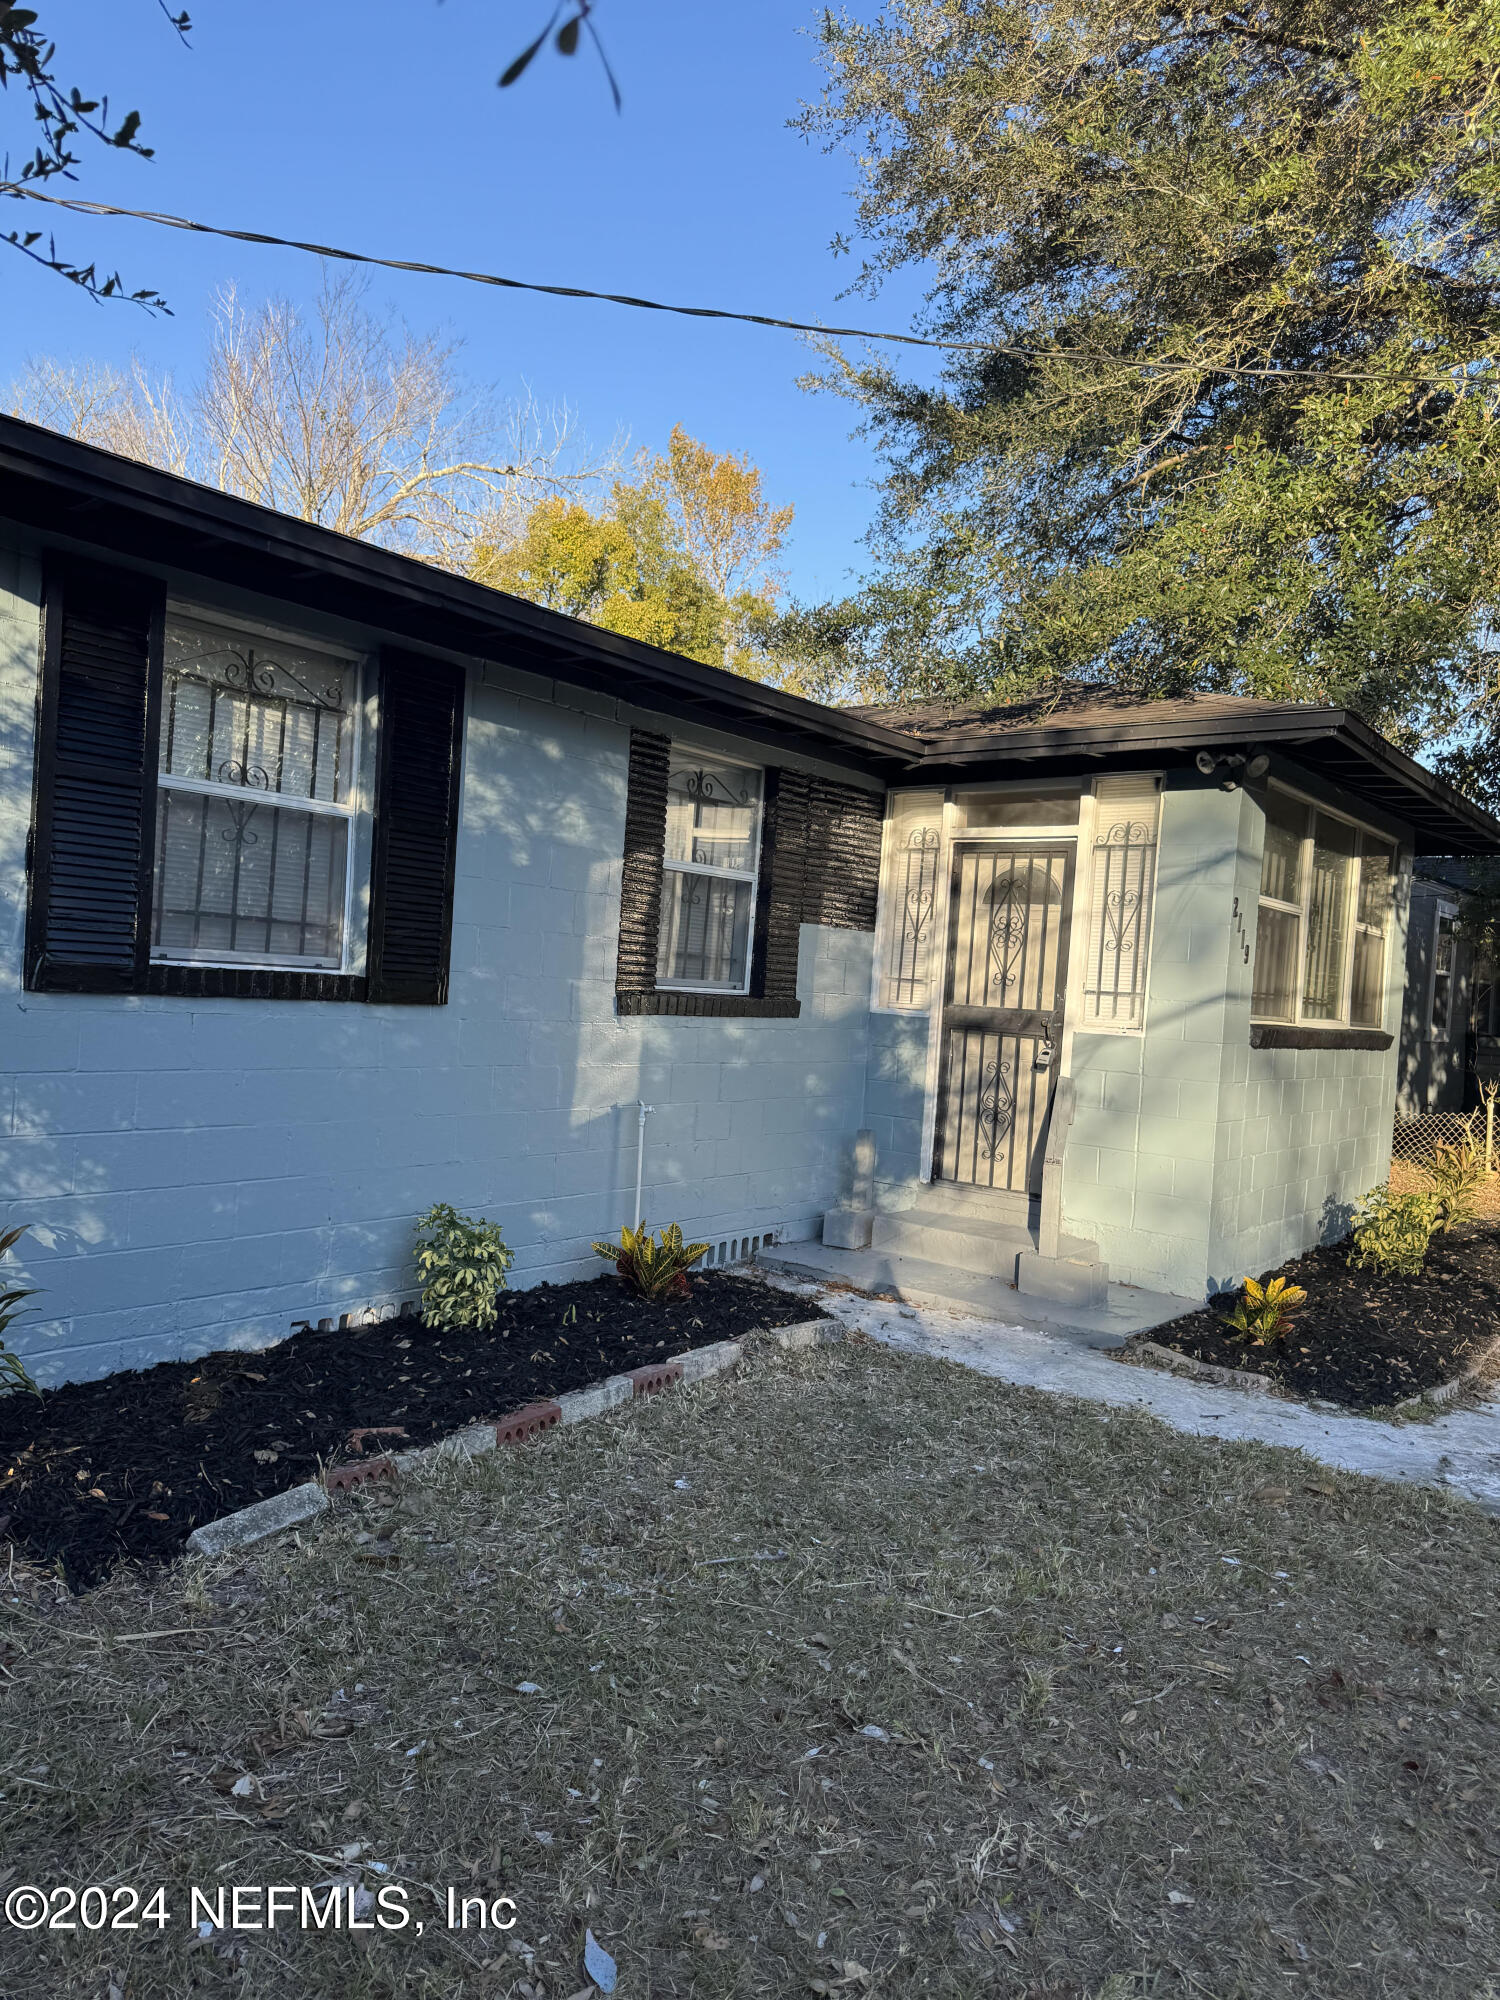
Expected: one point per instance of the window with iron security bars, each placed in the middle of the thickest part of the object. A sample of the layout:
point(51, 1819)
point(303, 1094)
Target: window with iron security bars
point(256, 790)
point(1122, 887)
point(710, 869)
point(909, 889)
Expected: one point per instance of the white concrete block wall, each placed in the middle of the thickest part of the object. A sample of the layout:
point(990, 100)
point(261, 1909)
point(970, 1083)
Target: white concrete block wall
point(895, 1100)
point(1194, 1158)
point(201, 1173)
point(1139, 1169)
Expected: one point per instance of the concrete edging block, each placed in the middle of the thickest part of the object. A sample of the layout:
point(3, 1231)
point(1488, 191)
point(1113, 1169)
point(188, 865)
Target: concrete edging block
point(1148, 1353)
point(806, 1333)
point(1442, 1393)
point(262, 1518)
point(701, 1362)
point(578, 1405)
point(304, 1503)
point(1204, 1371)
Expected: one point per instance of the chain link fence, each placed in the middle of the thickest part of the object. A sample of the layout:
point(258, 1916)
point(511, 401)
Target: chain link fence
point(1415, 1141)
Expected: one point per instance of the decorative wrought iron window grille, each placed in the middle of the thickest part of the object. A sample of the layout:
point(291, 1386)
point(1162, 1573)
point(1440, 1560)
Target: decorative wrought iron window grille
point(256, 794)
point(909, 902)
point(709, 873)
point(916, 902)
point(1122, 889)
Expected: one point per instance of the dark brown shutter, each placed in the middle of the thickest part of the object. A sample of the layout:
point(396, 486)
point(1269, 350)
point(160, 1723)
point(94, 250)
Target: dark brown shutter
point(783, 867)
point(88, 917)
point(784, 897)
point(416, 829)
point(640, 880)
point(843, 855)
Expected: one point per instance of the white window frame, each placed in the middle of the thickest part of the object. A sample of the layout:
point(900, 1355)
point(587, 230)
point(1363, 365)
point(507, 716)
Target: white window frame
point(752, 876)
point(257, 629)
point(1441, 910)
point(1363, 833)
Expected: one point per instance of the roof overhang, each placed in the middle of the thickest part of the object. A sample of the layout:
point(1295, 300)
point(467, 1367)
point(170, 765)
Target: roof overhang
point(57, 487)
point(1334, 742)
point(60, 488)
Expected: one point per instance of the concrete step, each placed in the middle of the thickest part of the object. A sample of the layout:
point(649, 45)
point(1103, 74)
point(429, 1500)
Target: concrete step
point(990, 1204)
point(1128, 1309)
point(965, 1242)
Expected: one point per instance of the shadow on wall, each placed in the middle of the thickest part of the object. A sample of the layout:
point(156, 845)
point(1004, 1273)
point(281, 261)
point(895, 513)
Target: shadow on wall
point(1336, 1221)
point(206, 1174)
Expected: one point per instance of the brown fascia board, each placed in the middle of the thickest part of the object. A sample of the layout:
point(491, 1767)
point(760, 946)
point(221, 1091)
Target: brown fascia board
point(57, 486)
point(1361, 759)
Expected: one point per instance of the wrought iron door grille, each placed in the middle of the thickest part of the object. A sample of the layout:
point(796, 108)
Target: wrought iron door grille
point(1002, 1013)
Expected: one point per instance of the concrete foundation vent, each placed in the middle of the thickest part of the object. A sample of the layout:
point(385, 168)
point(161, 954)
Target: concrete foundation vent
point(736, 1250)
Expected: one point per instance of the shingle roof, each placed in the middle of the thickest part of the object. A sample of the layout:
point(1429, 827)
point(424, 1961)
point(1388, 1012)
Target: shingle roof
point(63, 491)
point(1089, 725)
point(1072, 707)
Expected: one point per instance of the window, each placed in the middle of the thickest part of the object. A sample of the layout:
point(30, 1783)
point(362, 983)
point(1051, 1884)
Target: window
point(1372, 918)
point(1121, 886)
point(709, 873)
point(909, 902)
point(1444, 943)
point(256, 793)
point(1326, 891)
point(1013, 808)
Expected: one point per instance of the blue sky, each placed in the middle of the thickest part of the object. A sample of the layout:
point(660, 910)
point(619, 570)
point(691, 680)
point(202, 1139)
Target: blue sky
point(378, 125)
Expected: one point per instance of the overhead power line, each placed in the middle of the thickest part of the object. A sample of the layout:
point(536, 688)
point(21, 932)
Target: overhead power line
point(1006, 348)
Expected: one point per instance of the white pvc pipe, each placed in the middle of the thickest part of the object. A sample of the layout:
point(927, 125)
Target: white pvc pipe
point(643, 1112)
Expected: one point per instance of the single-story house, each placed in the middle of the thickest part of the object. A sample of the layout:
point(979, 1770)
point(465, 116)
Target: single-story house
point(334, 885)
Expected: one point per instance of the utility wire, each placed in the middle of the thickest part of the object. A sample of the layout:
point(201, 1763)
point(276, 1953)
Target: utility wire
point(710, 312)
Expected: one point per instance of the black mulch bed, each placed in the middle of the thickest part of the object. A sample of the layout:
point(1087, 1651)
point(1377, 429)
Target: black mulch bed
point(1362, 1339)
point(127, 1467)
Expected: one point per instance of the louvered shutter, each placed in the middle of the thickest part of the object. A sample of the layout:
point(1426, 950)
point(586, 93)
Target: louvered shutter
point(640, 880)
point(416, 829)
point(89, 910)
point(783, 888)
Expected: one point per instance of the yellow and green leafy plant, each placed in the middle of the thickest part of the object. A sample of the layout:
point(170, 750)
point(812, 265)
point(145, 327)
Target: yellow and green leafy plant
point(653, 1270)
point(13, 1371)
point(1457, 1173)
point(1393, 1232)
point(1263, 1312)
point(462, 1265)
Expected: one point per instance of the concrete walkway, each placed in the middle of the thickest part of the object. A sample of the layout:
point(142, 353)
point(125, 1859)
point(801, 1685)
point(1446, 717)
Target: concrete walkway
point(1458, 1450)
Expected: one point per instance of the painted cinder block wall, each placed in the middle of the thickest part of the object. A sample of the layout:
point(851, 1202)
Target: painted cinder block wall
point(200, 1174)
point(1193, 1157)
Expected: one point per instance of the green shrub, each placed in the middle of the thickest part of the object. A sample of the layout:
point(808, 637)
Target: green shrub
point(653, 1270)
point(1264, 1311)
point(1393, 1232)
point(13, 1373)
point(462, 1265)
point(1457, 1174)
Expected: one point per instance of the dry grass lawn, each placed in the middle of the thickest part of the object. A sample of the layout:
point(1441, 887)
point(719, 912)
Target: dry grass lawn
point(852, 1674)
